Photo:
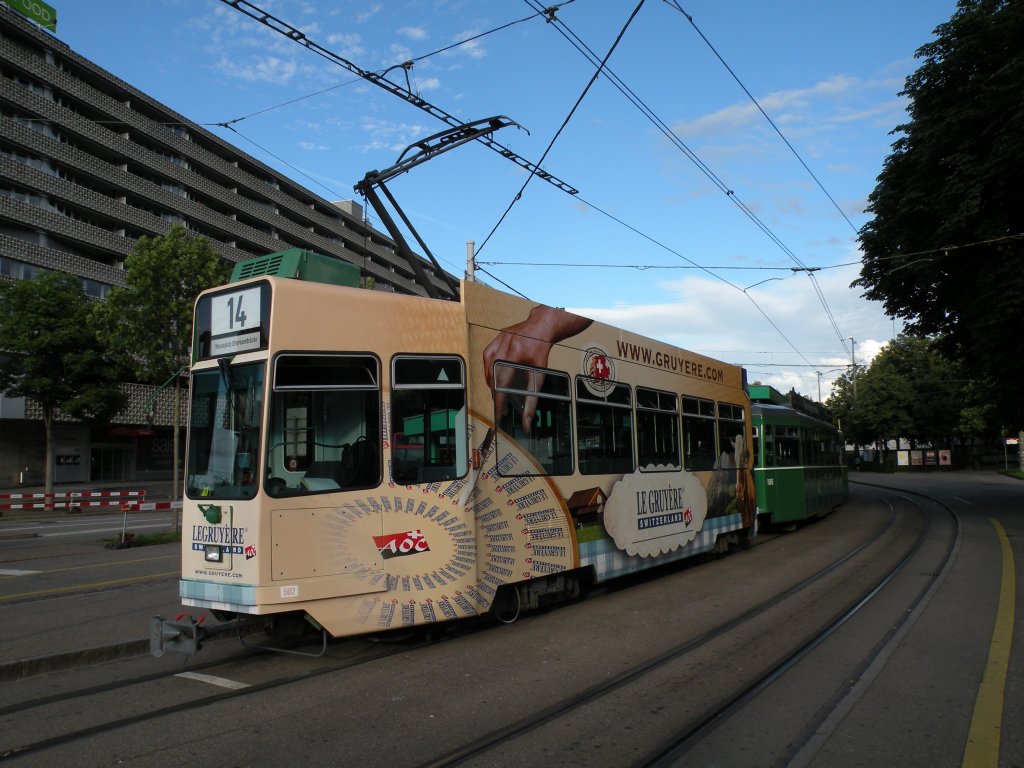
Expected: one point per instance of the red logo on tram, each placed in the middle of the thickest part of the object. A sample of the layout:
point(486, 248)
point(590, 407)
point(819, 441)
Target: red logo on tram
point(401, 544)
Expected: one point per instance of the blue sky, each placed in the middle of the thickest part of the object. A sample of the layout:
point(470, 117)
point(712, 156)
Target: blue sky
point(828, 75)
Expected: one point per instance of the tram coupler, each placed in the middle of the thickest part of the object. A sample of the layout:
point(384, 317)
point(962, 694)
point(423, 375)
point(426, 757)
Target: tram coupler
point(185, 634)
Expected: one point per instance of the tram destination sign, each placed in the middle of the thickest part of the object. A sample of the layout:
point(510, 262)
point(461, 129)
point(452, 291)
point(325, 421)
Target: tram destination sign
point(235, 321)
point(231, 322)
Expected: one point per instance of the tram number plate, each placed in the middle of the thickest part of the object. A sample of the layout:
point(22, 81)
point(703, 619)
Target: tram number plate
point(235, 312)
point(770, 481)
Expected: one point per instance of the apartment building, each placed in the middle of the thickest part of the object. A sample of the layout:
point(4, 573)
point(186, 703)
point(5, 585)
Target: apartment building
point(89, 164)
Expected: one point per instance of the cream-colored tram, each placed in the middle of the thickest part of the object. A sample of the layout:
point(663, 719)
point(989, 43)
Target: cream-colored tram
point(365, 461)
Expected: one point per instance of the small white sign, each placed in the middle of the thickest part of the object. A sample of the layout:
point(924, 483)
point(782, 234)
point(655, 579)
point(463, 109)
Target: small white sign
point(232, 345)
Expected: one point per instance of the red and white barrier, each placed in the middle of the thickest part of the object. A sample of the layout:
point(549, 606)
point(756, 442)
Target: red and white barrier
point(159, 505)
point(133, 499)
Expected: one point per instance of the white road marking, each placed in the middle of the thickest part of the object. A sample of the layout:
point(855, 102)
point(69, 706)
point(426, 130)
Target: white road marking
point(16, 572)
point(223, 682)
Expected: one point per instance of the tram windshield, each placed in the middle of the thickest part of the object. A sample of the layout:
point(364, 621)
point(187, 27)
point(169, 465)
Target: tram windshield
point(224, 432)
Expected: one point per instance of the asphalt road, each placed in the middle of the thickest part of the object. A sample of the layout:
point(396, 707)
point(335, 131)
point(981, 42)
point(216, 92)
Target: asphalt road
point(938, 683)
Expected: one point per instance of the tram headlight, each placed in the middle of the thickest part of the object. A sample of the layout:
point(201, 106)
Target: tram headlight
point(214, 553)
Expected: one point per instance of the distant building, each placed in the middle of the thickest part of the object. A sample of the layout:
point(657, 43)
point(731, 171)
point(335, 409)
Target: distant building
point(89, 164)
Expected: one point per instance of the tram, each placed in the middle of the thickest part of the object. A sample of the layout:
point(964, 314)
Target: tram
point(799, 467)
point(364, 461)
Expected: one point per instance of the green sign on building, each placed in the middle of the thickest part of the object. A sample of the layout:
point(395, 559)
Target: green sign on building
point(41, 13)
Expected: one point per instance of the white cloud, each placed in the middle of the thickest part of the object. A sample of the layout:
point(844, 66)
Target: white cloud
point(269, 69)
point(474, 49)
point(710, 317)
point(784, 107)
point(383, 134)
point(413, 33)
point(399, 53)
point(371, 10)
point(347, 44)
point(426, 83)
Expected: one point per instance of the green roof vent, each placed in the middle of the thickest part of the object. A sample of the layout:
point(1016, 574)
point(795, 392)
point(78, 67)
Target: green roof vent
point(299, 264)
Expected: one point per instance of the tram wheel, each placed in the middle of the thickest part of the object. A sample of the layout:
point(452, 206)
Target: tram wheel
point(507, 605)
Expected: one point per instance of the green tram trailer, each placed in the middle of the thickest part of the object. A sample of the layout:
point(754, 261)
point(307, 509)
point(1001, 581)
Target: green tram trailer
point(799, 463)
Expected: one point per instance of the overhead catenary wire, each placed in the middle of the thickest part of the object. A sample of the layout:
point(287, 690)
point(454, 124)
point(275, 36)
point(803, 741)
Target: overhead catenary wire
point(299, 171)
point(545, 12)
point(689, 18)
point(297, 36)
point(534, 169)
point(641, 267)
point(406, 65)
point(565, 122)
point(667, 131)
point(943, 250)
point(282, 27)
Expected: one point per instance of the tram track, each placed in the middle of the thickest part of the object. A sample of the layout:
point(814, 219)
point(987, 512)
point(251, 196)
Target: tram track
point(502, 738)
point(92, 697)
point(801, 753)
point(878, 541)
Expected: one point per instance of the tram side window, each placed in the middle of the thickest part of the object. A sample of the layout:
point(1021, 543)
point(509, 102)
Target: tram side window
point(428, 419)
point(814, 447)
point(731, 436)
point(698, 434)
point(604, 427)
point(657, 430)
point(533, 407)
point(324, 424)
point(787, 446)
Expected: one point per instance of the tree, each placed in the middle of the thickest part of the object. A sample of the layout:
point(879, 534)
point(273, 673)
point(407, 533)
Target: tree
point(54, 356)
point(149, 320)
point(943, 249)
point(910, 391)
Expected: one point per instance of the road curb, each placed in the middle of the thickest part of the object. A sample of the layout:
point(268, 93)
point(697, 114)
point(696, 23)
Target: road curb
point(18, 670)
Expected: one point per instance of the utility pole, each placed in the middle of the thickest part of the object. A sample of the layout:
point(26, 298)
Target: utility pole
point(853, 365)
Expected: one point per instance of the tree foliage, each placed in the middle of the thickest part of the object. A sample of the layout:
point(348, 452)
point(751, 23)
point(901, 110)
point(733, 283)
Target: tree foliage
point(149, 320)
point(912, 392)
point(943, 249)
point(53, 355)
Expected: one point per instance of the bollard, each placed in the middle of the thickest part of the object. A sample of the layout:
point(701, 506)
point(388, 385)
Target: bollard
point(124, 522)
